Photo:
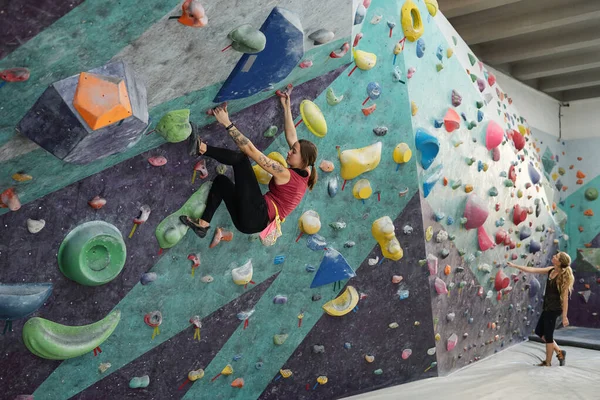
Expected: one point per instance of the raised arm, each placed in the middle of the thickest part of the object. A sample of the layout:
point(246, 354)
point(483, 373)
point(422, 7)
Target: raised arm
point(530, 269)
point(247, 147)
point(290, 129)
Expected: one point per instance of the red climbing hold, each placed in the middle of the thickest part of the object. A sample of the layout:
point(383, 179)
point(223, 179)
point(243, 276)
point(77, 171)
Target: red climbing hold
point(485, 242)
point(501, 236)
point(10, 200)
point(15, 74)
point(519, 214)
point(451, 120)
point(341, 52)
point(502, 281)
point(518, 140)
point(369, 110)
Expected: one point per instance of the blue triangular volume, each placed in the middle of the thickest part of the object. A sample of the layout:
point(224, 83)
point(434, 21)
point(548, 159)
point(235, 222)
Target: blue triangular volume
point(333, 268)
point(282, 53)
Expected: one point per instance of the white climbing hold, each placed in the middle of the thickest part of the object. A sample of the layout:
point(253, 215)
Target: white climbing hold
point(34, 226)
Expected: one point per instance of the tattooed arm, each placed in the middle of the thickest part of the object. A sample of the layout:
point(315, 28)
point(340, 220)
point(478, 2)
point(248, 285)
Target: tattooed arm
point(279, 172)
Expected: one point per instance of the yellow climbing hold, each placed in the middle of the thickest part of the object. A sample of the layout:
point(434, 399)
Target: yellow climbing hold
point(195, 375)
point(523, 130)
point(357, 161)
point(429, 233)
point(364, 60)
point(309, 222)
point(362, 189)
point(554, 176)
point(242, 275)
point(402, 153)
point(313, 118)
point(412, 25)
point(263, 176)
point(413, 108)
point(285, 373)
point(449, 52)
point(384, 232)
point(322, 380)
point(432, 7)
point(21, 177)
point(437, 337)
point(342, 304)
point(228, 370)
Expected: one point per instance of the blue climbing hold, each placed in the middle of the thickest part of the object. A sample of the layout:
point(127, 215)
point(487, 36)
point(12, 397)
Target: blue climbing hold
point(438, 123)
point(439, 53)
point(431, 179)
point(282, 53)
point(279, 259)
point(18, 300)
point(420, 48)
point(524, 233)
point(450, 220)
point(333, 268)
point(428, 145)
point(534, 175)
point(316, 242)
point(479, 115)
point(534, 287)
point(534, 246)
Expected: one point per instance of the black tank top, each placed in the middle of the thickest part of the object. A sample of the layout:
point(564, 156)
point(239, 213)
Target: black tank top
point(552, 295)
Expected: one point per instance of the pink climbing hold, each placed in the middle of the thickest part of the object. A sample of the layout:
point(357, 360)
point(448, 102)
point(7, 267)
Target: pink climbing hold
point(357, 38)
point(485, 241)
point(432, 264)
point(502, 281)
point(451, 120)
point(493, 135)
point(452, 340)
point(306, 64)
point(519, 214)
point(456, 98)
point(341, 52)
point(496, 154)
point(157, 161)
point(406, 353)
point(518, 140)
point(440, 286)
point(475, 212)
point(491, 79)
point(512, 174)
point(501, 236)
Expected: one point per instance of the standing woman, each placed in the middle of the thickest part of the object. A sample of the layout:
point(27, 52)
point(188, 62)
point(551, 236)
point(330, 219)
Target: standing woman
point(556, 302)
point(250, 210)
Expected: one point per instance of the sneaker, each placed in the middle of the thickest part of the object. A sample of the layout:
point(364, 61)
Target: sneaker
point(198, 230)
point(563, 359)
point(194, 141)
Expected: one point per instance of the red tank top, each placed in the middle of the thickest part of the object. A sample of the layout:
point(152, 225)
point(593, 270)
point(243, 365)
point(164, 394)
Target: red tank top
point(286, 196)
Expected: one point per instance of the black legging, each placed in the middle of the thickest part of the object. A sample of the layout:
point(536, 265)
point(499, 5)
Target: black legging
point(244, 199)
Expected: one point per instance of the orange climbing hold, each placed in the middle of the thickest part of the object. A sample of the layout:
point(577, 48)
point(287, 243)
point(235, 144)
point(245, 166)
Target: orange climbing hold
point(468, 188)
point(10, 200)
point(579, 181)
point(580, 228)
point(579, 158)
point(101, 100)
point(193, 14)
point(238, 383)
point(447, 270)
point(445, 181)
point(580, 175)
point(588, 212)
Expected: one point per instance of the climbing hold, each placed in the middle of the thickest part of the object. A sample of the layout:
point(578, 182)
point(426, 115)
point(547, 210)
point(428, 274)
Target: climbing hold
point(384, 233)
point(439, 67)
point(157, 161)
point(52, 341)
point(369, 358)
point(411, 71)
point(139, 382)
point(306, 64)
point(243, 275)
point(412, 25)
point(501, 236)
point(331, 98)
point(97, 202)
point(263, 176)
point(534, 246)
point(451, 120)
point(397, 74)
point(431, 178)
point(318, 349)
point(519, 214)
point(148, 277)
point(247, 39)
point(193, 14)
point(357, 161)
point(22, 177)
point(369, 110)
point(475, 212)
point(341, 52)
point(518, 140)
point(357, 38)
point(480, 84)
point(17, 74)
point(270, 132)
point(501, 281)
point(420, 48)
point(221, 234)
point(313, 118)
point(10, 200)
point(450, 317)
point(432, 264)
point(343, 304)
point(364, 60)
point(321, 36)
point(428, 145)
point(373, 91)
point(440, 52)
point(402, 153)
point(440, 286)
point(413, 108)
point(485, 242)
point(280, 299)
point(34, 226)
point(493, 135)
point(380, 130)
point(468, 188)
point(333, 268)
point(332, 186)
point(362, 189)
point(359, 16)
point(316, 242)
point(309, 222)
point(175, 126)
point(534, 175)
point(376, 19)
point(591, 194)
point(280, 339)
point(18, 300)
point(92, 254)
point(493, 191)
point(397, 279)
point(456, 98)
point(588, 213)
point(207, 279)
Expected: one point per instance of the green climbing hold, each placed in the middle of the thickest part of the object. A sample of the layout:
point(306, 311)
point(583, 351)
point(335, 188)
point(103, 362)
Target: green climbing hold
point(461, 252)
point(331, 98)
point(175, 126)
point(508, 183)
point(472, 59)
point(378, 371)
point(270, 132)
point(52, 341)
point(170, 231)
point(591, 194)
point(247, 39)
point(479, 104)
point(473, 77)
point(454, 40)
point(470, 161)
point(456, 184)
point(439, 67)
point(471, 125)
point(493, 191)
point(92, 254)
point(280, 339)
point(139, 382)
point(561, 171)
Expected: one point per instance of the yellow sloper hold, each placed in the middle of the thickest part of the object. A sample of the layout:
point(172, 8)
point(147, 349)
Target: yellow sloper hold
point(402, 153)
point(342, 304)
point(362, 189)
point(364, 60)
point(410, 17)
point(228, 370)
point(313, 118)
point(432, 7)
point(242, 275)
point(523, 130)
point(263, 176)
point(309, 222)
point(384, 232)
point(357, 161)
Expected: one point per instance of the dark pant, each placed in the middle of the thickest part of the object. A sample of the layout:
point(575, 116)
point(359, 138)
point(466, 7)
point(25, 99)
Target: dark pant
point(546, 324)
point(244, 199)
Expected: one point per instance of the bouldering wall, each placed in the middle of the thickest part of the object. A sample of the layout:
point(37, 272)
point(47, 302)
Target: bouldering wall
point(319, 317)
point(484, 203)
point(579, 178)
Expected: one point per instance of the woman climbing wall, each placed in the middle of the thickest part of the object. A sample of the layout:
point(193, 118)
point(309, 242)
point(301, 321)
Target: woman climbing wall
point(250, 210)
point(556, 302)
